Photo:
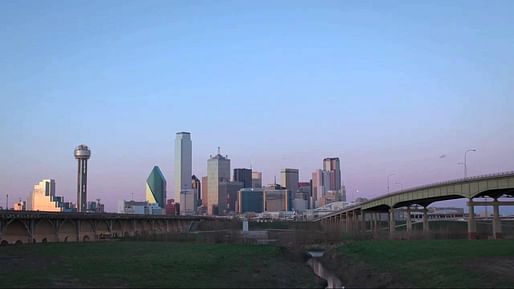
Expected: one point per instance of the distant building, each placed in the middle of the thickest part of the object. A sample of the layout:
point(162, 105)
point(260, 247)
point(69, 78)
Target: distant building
point(156, 188)
point(20, 206)
point(319, 178)
point(327, 186)
point(172, 208)
point(302, 200)
point(196, 185)
point(244, 176)
point(139, 208)
point(289, 178)
point(250, 200)
point(227, 197)
point(205, 192)
point(304, 190)
point(183, 173)
point(218, 171)
point(43, 198)
point(256, 180)
point(276, 200)
point(332, 165)
point(95, 207)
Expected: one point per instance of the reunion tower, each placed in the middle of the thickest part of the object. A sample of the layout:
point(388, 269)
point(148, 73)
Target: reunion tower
point(82, 154)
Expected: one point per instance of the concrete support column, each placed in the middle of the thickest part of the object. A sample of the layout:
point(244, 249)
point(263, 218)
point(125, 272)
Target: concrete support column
point(392, 223)
point(497, 225)
point(78, 230)
point(364, 226)
point(409, 220)
point(425, 220)
point(355, 221)
point(472, 227)
point(371, 218)
point(346, 223)
point(32, 231)
point(373, 221)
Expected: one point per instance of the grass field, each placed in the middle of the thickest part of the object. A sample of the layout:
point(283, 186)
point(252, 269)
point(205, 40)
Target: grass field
point(150, 264)
point(438, 263)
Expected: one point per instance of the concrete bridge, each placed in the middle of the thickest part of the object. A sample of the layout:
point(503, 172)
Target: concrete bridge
point(19, 227)
point(364, 216)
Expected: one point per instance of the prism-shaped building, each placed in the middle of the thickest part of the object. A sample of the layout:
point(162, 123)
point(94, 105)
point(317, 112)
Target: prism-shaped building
point(156, 188)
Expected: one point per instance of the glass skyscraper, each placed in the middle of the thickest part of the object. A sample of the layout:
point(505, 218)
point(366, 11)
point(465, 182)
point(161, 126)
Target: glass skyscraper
point(156, 188)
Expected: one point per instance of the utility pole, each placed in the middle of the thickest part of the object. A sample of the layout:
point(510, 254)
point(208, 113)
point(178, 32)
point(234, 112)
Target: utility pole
point(388, 176)
point(465, 161)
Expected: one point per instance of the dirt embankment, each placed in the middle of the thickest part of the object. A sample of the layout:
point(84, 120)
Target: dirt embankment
point(357, 274)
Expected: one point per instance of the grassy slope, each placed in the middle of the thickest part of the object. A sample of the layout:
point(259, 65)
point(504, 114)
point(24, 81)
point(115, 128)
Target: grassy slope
point(150, 264)
point(436, 263)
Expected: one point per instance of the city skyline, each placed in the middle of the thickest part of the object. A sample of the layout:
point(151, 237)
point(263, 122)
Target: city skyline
point(275, 85)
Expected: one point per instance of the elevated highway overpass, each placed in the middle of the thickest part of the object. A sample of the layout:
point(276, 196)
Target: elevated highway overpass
point(364, 215)
point(19, 227)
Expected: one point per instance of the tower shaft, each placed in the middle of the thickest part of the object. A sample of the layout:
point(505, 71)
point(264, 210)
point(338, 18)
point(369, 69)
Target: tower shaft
point(82, 185)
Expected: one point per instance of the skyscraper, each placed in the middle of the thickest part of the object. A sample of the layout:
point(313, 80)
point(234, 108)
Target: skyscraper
point(43, 198)
point(289, 178)
point(82, 154)
point(244, 176)
point(256, 180)
point(333, 166)
point(218, 170)
point(205, 192)
point(227, 197)
point(156, 188)
point(196, 185)
point(183, 173)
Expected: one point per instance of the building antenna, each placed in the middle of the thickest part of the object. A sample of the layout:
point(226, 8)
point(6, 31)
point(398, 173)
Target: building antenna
point(275, 180)
point(218, 150)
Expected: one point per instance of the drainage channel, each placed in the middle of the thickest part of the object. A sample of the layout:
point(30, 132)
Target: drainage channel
point(315, 263)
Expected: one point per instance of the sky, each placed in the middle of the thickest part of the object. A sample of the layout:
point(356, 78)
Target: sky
point(401, 87)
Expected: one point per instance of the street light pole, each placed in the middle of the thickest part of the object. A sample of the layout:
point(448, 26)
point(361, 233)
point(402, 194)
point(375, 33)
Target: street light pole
point(388, 176)
point(465, 161)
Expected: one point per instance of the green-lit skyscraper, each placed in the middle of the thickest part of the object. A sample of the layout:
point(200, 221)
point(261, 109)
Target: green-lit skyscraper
point(156, 188)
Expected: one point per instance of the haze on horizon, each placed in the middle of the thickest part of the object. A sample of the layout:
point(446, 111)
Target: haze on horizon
point(400, 87)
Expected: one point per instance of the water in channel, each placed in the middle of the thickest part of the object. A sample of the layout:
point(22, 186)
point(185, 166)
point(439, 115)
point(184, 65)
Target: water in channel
point(315, 263)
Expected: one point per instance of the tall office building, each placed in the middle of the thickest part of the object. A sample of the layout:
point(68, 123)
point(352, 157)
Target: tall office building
point(276, 199)
point(244, 176)
point(332, 165)
point(183, 173)
point(205, 191)
point(227, 197)
point(218, 170)
point(302, 199)
point(335, 184)
point(289, 178)
point(256, 180)
point(197, 189)
point(156, 188)
point(250, 200)
point(43, 198)
point(82, 154)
